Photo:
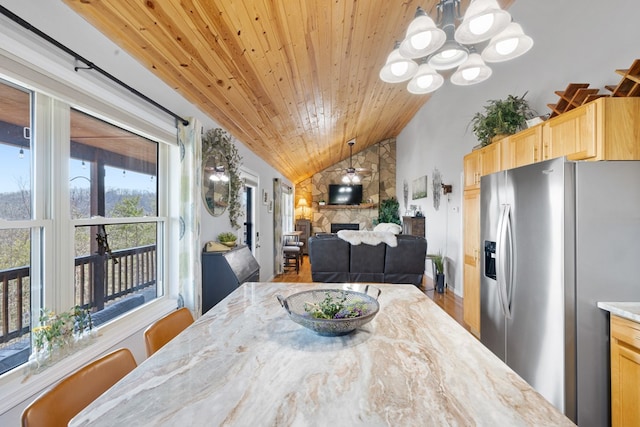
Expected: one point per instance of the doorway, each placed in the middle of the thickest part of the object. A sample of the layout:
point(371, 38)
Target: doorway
point(250, 232)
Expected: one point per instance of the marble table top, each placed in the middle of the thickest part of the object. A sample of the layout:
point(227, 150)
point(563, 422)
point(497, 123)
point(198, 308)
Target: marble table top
point(627, 310)
point(246, 363)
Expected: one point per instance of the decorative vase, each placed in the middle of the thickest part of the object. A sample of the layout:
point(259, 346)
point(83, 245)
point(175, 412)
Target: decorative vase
point(440, 283)
point(229, 244)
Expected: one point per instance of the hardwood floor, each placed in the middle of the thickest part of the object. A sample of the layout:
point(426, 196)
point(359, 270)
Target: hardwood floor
point(448, 301)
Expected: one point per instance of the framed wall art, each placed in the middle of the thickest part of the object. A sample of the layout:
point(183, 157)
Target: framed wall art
point(419, 188)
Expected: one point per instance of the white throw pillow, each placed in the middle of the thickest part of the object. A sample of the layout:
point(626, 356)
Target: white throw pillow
point(388, 226)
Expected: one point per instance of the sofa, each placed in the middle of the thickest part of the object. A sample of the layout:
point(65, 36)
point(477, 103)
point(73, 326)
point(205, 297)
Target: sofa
point(334, 260)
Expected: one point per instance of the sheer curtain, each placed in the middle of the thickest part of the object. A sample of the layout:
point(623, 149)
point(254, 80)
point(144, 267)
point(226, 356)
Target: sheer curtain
point(282, 219)
point(190, 142)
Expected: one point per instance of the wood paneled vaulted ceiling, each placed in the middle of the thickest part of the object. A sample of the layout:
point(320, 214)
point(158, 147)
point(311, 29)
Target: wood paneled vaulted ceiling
point(293, 80)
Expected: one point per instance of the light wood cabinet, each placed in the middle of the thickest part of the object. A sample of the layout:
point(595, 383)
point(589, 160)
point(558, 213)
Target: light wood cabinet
point(605, 129)
point(471, 245)
point(472, 170)
point(625, 372)
point(480, 162)
point(523, 148)
point(571, 134)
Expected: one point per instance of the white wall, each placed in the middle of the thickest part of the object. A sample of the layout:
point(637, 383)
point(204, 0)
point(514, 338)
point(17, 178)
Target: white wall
point(575, 41)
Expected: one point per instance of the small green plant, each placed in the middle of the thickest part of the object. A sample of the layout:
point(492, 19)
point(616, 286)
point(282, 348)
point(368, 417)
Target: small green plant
point(57, 330)
point(438, 261)
point(501, 117)
point(227, 237)
point(338, 308)
point(388, 211)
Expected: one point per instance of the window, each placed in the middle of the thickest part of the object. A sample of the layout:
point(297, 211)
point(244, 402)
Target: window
point(90, 208)
point(18, 226)
point(113, 176)
point(287, 208)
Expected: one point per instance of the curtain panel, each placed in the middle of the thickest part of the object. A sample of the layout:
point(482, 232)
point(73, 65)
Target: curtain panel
point(190, 272)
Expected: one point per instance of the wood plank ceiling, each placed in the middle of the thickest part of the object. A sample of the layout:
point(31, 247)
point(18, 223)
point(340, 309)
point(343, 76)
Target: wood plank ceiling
point(292, 80)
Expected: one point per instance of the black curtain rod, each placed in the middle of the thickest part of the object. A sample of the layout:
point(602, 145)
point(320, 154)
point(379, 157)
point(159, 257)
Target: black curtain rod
point(89, 65)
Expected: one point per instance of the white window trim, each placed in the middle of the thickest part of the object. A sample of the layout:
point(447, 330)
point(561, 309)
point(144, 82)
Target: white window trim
point(17, 385)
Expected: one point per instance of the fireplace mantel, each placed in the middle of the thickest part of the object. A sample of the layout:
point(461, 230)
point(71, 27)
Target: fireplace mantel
point(360, 206)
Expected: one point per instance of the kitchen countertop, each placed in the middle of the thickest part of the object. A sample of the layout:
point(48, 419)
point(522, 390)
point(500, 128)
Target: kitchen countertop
point(246, 363)
point(627, 310)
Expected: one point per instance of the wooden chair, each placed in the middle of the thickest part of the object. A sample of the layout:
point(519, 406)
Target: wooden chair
point(291, 253)
point(56, 406)
point(165, 329)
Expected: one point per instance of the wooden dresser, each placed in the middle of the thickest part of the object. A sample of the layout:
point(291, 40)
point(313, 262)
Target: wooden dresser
point(413, 225)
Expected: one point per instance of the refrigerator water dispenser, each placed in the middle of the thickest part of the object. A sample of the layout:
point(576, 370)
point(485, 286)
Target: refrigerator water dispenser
point(490, 259)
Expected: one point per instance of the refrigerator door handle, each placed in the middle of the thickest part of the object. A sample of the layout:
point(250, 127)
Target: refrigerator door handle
point(504, 228)
point(508, 275)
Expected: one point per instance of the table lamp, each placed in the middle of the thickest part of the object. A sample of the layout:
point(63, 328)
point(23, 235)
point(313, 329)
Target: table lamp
point(302, 203)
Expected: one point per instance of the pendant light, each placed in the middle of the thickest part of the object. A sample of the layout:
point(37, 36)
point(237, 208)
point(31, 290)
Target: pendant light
point(426, 80)
point(423, 37)
point(397, 68)
point(436, 44)
point(351, 177)
point(473, 71)
point(509, 44)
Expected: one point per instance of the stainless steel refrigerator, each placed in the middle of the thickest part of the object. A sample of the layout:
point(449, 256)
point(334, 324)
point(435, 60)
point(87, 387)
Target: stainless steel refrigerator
point(558, 237)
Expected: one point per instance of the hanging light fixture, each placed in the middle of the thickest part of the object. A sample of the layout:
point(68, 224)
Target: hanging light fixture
point(426, 80)
point(397, 68)
point(473, 71)
point(509, 44)
point(350, 176)
point(440, 45)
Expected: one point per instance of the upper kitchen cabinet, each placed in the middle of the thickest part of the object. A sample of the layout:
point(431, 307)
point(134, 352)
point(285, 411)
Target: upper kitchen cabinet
point(483, 161)
point(605, 129)
point(523, 148)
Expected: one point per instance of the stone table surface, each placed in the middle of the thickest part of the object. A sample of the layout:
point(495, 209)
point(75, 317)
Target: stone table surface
point(245, 363)
point(627, 310)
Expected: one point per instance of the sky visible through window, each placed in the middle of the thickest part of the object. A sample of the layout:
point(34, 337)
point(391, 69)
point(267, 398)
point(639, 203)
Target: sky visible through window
point(15, 172)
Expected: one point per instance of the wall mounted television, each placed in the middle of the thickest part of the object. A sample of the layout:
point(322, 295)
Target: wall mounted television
point(342, 194)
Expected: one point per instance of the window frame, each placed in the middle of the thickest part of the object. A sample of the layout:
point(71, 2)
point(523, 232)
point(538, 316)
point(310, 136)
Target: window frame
point(50, 199)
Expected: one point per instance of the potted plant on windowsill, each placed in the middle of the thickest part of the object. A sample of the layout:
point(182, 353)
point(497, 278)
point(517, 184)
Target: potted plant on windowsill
point(501, 117)
point(438, 262)
point(227, 239)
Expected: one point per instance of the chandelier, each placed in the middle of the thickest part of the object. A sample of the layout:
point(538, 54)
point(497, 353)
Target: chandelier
point(427, 48)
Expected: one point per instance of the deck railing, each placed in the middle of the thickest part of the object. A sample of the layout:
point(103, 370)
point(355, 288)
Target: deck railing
point(126, 272)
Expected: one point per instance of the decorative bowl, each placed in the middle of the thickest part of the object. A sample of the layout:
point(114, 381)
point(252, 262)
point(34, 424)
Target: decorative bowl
point(303, 307)
point(229, 244)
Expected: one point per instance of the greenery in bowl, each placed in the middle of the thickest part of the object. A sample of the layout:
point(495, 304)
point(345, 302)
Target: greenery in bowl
point(227, 237)
point(501, 117)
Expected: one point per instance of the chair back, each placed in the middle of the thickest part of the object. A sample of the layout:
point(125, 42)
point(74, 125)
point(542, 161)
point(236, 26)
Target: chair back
point(56, 406)
point(165, 329)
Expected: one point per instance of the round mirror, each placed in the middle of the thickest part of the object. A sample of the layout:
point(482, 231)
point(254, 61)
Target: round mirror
point(215, 183)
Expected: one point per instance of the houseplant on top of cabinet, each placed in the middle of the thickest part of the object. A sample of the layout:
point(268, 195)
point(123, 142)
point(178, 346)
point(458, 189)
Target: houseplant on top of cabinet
point(501, 117)
point(227, 239)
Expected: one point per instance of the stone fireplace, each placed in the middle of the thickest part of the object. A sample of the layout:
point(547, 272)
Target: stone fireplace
point(378, 184)
point(337, 226)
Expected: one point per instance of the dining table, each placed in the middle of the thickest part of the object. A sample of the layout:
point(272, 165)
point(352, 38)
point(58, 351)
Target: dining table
point(246, 363)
